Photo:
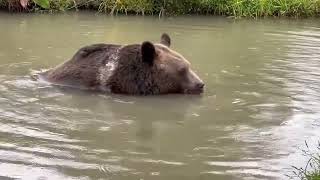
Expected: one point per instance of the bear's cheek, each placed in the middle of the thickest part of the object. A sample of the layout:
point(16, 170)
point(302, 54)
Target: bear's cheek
point(181, 82)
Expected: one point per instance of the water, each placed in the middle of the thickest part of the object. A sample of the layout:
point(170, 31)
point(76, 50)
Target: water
point(260, 105)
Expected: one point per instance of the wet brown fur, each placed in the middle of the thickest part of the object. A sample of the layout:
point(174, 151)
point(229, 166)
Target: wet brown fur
point(82, 70)
point(140, 78)
point(131, 75)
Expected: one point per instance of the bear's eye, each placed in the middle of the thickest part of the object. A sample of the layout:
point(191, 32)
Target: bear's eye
point(183, 71)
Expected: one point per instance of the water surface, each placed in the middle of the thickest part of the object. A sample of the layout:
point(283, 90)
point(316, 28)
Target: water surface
point(261, 103)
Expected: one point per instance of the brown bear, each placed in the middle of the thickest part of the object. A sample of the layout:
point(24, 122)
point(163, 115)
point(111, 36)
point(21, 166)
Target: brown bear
point(137, 69)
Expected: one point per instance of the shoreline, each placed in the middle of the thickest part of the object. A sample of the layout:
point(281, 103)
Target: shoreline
point(253, 9)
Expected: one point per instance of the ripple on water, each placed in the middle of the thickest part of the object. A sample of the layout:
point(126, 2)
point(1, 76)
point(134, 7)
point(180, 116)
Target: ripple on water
point(21, 171)
point(34, 133)
point(160, 162)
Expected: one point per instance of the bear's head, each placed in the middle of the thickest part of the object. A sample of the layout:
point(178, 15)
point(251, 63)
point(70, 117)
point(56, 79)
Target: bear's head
point(156, 69)
point(171, 71)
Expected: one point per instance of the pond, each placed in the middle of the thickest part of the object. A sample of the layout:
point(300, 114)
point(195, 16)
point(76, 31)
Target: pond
point(260, 105)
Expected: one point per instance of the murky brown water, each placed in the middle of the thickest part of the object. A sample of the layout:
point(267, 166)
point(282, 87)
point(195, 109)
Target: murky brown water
point(261, 103)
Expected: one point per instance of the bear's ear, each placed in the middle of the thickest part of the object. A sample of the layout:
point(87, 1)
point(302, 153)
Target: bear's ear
point(165, 39)
point(148, 52)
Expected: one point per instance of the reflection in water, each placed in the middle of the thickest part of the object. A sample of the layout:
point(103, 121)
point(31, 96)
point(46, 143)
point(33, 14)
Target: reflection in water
point(260, 104)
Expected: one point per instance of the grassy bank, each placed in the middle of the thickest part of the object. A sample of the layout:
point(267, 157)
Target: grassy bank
point(236, 8)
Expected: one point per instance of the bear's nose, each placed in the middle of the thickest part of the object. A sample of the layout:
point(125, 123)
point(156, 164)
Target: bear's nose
point(200, 85)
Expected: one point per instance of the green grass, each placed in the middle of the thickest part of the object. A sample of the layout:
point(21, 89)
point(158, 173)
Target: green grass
point(311, 171)
point(235, 8)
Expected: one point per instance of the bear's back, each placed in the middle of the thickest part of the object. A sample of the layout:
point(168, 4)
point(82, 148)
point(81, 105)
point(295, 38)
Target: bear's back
point(82, 69)
point(95, 54)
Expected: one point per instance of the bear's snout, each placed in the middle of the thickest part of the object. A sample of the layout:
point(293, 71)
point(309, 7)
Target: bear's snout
point(195, 84)
point(200, 85)
point(198, 88)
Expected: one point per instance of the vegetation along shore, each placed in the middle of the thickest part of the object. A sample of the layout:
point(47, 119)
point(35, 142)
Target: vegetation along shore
point(311, 171)
point(233, 8)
